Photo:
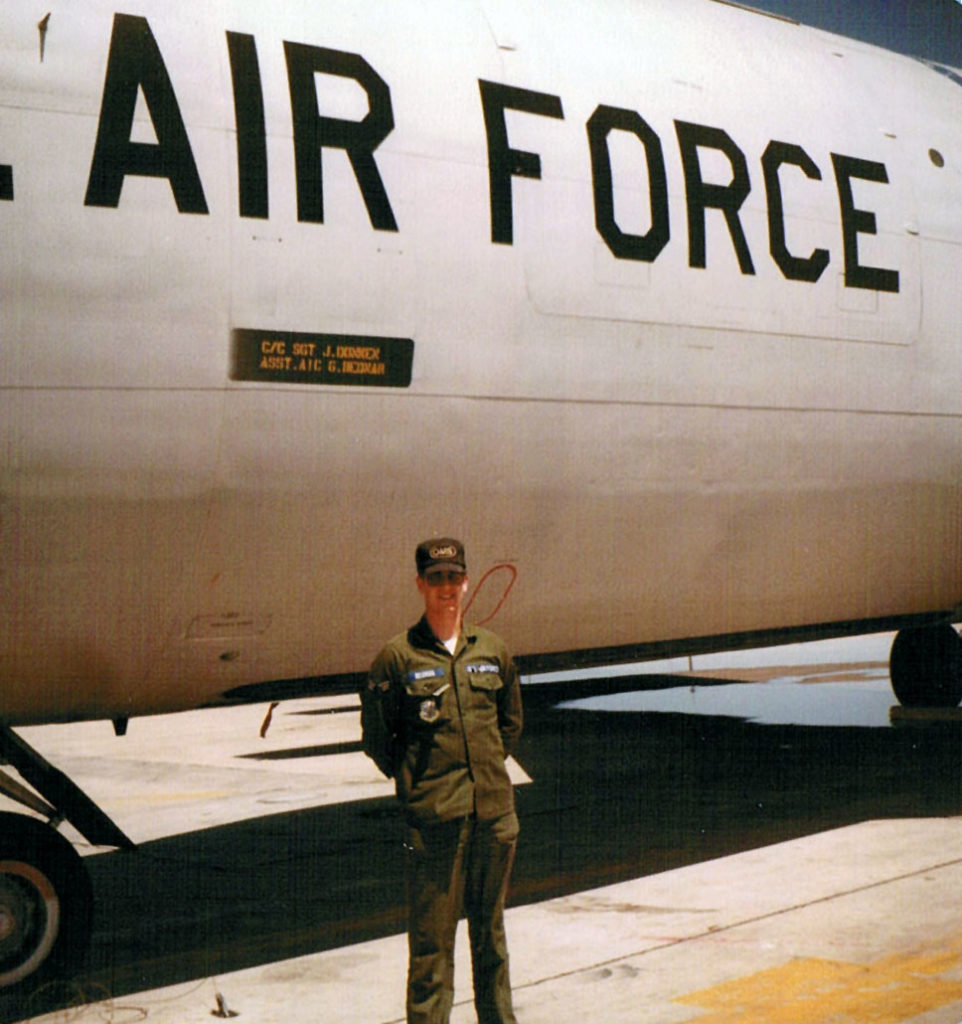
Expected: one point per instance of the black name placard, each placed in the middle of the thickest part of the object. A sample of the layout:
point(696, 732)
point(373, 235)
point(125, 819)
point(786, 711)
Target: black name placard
point(297, 357)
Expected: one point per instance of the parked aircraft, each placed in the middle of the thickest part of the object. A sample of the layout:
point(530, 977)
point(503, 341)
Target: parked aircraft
point(653, 302)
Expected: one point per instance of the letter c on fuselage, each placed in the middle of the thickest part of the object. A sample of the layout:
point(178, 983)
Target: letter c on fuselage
point(794, 268)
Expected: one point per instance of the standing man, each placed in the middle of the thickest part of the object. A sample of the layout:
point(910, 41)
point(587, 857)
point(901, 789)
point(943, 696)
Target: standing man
point(440, 712)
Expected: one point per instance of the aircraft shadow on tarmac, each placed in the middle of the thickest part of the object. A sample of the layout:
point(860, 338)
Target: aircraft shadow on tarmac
point(615, 795)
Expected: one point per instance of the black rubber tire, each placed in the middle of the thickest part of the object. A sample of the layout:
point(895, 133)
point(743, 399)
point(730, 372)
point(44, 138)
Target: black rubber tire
point(926, 666)
point(46, 903)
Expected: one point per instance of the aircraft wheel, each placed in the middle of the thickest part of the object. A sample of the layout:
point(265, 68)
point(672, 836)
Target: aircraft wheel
point(46, 901)
point(926, 666)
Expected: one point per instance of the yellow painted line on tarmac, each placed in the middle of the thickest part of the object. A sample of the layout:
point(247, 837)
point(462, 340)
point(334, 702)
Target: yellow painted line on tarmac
point(888, 991)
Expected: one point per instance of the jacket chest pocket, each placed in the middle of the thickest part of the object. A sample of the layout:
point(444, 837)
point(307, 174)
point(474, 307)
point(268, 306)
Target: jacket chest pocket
point(424, 696)
point(484, 678)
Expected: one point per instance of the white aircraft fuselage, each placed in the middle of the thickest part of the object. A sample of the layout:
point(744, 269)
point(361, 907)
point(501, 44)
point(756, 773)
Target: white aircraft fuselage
point(655, 304)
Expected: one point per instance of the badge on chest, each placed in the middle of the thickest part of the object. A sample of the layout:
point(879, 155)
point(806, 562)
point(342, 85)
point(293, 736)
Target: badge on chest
point(430, 709)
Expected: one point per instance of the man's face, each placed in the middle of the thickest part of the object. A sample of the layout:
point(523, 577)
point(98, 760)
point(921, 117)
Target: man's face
point(443, 591)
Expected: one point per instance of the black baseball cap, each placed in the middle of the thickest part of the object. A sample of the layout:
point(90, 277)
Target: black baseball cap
point(440, 553)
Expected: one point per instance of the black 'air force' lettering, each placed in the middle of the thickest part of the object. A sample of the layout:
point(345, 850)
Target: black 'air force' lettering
point(252, 191)
point(701, 195)
point(504, 163)
point(623, 245)
point(313, 132)
point(860, 222)
point(795, 268)
point(135, 63)
point(135, 66)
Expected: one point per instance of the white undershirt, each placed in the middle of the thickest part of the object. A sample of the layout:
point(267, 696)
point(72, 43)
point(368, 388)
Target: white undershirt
point(451, 644)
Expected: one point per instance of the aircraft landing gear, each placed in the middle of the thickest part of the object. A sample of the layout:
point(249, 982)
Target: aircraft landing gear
point(46, 897)
point(926, 666)
point(46, 900)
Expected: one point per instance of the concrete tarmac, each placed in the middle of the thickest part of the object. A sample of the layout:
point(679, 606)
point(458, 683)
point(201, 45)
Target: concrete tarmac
point(854, 918)
point(852, 926)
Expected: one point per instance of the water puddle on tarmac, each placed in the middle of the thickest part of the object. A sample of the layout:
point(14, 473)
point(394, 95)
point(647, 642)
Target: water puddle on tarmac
point(842, 682)
point(863, 700)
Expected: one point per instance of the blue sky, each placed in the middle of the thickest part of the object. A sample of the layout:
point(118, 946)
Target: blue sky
point(922, 28)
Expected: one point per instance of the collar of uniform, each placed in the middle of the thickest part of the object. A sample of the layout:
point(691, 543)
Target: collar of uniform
point(421, 635)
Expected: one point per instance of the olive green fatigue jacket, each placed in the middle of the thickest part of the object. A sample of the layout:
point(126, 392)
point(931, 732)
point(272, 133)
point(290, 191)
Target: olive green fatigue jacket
point(442, 725)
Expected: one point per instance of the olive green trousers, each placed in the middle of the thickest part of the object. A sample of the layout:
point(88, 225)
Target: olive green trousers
point(456, 867)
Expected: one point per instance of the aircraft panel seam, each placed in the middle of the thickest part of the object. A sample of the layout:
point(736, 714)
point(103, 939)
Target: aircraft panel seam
point(357, 393)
